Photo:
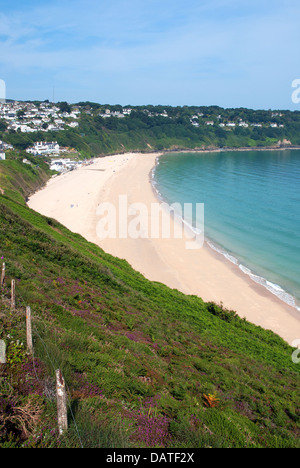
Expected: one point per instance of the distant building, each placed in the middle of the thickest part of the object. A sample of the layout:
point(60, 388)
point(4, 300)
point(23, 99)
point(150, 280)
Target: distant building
point(43, 147)
point(5, 146)
point(63, 165)
point(11, 115)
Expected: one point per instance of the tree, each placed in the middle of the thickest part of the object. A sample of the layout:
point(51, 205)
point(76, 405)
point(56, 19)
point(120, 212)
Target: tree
point(20, 114)
point(3, 126)
point(65, 107)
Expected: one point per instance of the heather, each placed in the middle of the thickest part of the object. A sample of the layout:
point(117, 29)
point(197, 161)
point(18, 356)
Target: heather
point(144, 365)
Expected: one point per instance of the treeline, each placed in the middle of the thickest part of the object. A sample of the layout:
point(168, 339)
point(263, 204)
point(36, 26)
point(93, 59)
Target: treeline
point(107, 129)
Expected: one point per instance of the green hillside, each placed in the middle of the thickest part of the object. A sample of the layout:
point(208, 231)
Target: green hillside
point(145, 366)
point(154, 128)
point(19, 180)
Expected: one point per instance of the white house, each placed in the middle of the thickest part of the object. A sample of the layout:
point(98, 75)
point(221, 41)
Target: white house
point(5, 146)
point(54, 128)
point(11, 115)
point(43, 147)
point(57, 166)
point(63, 165)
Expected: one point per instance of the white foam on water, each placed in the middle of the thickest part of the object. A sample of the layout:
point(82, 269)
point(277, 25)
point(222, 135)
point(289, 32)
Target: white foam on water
point(272, 287)
point(275, 289)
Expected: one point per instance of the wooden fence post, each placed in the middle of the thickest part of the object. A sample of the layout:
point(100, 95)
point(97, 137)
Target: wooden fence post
point(2, 352)
point(2, 275)
point(29, 330)
point(13, 295)
point(61, 397)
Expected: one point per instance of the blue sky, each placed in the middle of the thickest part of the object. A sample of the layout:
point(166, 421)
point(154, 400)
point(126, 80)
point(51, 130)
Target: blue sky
point(172, 52)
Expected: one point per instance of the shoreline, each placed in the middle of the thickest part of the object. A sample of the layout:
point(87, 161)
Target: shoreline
point(205, 273)
point(208, 149)
point(279, 294)
point(284, 296)
point(228, 149)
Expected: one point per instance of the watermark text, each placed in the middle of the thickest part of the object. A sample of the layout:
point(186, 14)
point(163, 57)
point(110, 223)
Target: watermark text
point(160, 221)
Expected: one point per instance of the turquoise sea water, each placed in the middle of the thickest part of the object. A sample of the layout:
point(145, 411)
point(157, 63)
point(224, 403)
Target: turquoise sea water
point(252, 209)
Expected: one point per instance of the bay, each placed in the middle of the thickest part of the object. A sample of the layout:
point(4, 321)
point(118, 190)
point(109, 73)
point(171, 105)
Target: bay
point(252, 209)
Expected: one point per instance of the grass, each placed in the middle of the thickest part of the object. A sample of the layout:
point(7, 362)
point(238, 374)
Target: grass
point(145, 366)
point(18, 180)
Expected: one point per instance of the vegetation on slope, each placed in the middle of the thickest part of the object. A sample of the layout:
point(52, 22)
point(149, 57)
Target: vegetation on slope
point(19, 180)
point(145, 366)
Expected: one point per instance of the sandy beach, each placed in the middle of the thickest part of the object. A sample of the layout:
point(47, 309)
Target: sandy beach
point(73, 200)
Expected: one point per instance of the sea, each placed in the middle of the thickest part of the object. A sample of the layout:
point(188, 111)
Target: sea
point(252, 209)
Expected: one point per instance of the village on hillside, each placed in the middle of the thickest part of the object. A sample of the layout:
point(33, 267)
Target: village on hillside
point(36, 117)
point(52, 151)
point(29, 117)
point(25, 117)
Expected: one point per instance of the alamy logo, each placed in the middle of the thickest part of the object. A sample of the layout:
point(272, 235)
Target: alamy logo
point(296, 93)
point(296, 354)
point(2, 91)
point(138, 221)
